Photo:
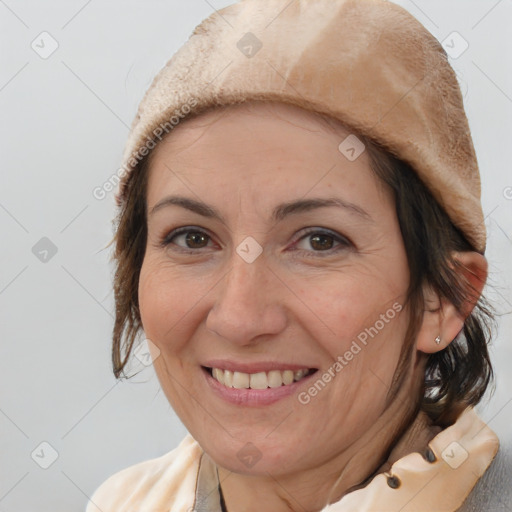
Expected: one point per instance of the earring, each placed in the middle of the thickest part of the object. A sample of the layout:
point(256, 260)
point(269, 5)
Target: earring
point(438, 340)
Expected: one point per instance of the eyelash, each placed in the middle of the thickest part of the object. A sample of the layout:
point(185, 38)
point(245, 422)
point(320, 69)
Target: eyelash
point(343, 242)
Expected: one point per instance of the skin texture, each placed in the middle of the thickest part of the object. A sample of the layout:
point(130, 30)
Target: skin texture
point(297, 303)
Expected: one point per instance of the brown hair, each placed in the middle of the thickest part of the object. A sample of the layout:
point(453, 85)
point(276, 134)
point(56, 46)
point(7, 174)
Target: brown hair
point(458, 375)
point(455, 377)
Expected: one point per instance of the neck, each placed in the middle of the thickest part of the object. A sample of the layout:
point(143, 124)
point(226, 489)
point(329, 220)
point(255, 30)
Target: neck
point(397, 433)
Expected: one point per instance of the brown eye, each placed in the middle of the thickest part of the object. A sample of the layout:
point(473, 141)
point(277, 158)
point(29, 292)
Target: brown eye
point(187, 238)
point(196, 239)
point(318, 241)
point(321, 242)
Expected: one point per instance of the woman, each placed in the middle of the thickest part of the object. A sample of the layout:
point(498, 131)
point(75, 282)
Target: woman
point(300, 237)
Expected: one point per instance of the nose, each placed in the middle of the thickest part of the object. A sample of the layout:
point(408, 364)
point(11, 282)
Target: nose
point(248, 303)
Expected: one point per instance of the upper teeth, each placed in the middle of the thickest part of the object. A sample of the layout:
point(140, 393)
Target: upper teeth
point(260, 380)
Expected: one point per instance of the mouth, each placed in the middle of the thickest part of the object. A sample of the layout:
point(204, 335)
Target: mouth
point(259, 380)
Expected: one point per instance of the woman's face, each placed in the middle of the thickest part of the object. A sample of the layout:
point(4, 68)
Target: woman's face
point(270, 252)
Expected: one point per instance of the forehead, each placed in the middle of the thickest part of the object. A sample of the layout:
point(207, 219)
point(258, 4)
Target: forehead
point(261, 150)
point(252, 113)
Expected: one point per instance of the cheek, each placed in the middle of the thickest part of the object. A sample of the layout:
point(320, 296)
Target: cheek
point(165, 300)
point(350, 308)
point(166, 306)
point(359, 324)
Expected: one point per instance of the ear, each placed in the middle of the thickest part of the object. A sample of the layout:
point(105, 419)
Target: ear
point(440, 317)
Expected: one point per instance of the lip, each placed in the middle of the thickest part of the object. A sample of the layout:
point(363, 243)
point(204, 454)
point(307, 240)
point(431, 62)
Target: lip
point(254, 397)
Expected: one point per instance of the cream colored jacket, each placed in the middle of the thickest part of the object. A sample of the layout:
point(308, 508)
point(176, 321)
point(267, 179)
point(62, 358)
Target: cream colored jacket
point(186, 479)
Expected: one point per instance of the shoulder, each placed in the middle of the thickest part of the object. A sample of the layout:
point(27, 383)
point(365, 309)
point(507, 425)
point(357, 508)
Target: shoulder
point(153, 485)
point(493, 491)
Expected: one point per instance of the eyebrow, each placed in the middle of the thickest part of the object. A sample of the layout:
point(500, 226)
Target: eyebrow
point(279, 212)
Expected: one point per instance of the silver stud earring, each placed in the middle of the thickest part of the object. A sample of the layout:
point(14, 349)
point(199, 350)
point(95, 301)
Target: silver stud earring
point(438, 340)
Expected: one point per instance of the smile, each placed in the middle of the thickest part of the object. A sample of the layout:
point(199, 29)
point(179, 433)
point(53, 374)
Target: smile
point(258, 380)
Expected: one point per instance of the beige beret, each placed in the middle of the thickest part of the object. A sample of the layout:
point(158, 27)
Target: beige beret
point(368, 63)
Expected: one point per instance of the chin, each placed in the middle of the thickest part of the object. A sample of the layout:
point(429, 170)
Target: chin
point(253, 458)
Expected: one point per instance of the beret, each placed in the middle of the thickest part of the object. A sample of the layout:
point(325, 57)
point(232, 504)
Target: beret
point(368, 63)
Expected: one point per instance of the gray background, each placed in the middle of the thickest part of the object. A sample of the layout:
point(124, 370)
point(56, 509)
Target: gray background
point(65, 119)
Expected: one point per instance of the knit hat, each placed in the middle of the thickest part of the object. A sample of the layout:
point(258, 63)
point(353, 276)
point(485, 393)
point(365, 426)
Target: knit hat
point(368, 63)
